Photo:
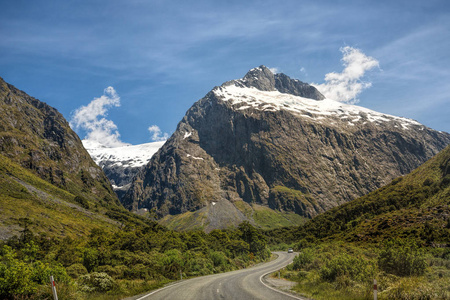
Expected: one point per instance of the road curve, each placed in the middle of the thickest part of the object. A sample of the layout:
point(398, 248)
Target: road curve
point(242, 284)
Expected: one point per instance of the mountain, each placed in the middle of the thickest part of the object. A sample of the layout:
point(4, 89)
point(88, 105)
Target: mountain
point(269, 141)
point(46, 175)
point(121, 164)
point(414, 206)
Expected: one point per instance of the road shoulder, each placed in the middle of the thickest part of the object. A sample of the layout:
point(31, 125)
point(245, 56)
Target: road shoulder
point(283, 285)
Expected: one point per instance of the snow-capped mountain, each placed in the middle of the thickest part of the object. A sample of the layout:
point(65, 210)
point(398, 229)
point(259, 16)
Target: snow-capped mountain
point(121, 164)
point(243, 98)
point(274, 141)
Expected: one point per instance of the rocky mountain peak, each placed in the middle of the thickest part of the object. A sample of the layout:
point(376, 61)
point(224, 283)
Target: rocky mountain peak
point(284, 84)
point(263, 79)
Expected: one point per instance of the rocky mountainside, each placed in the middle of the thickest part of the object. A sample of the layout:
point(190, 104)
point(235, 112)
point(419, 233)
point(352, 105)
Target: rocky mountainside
point(273, 141)
point(415, 206)
point(121, 164)
point(37, 137)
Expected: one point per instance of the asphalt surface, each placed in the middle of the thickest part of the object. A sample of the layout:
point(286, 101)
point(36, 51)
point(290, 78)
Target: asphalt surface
point(242, 284)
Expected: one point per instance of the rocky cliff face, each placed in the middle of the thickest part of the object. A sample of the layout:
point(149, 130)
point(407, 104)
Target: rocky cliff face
point(37, 136)
point(272, 140)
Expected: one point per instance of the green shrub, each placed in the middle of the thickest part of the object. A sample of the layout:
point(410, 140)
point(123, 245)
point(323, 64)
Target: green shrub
point(402, 259)
point(90, 259)
point(199, 266)
point(82, 201)
point(305, 257)
point(15, 276)
point(303, 243)
point(76, 270)
point(218, 258)
point(18, 278)
point(138, 271)
point(41, 273)
point(344, 265)
point(96, 282)
point(411, 288)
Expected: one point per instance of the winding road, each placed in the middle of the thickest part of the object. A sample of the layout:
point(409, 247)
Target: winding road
point(242, 284)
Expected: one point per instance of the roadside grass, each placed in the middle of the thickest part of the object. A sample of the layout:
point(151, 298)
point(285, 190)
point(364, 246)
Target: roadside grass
point(345, 271)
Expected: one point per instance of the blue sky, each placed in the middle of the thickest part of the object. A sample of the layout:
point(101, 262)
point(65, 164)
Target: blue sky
point(162, 56)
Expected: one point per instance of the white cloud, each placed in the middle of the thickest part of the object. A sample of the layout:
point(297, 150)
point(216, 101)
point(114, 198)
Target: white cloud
point(274, 70)
point(347, 85)
point(157, 135)
point(303, 70)
point(91, 118)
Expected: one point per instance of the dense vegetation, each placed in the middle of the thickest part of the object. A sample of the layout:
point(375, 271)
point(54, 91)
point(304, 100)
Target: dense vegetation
point(126, 262)
point(340, 270)
point(399, 235)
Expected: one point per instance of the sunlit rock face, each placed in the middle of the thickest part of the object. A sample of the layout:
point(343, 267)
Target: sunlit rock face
point(276, 141)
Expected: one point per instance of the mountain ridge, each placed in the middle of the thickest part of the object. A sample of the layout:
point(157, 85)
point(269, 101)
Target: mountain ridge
point(47, 178)
point(37, 136)
point(279, 150)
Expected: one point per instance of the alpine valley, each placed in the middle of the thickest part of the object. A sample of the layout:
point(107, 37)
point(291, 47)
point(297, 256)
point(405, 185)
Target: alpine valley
point(274, 151)
point(265, 150)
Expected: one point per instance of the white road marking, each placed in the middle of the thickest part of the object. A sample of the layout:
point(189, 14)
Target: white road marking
point(274, 289)
point(158, 290)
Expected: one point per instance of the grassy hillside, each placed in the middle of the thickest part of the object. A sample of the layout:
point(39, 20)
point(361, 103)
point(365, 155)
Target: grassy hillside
point(29, 201)
point(399, 235)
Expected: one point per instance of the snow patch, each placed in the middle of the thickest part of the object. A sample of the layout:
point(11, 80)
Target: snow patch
point(186, 135)
point(188, 155)
point(124, 156)
point(245, 98)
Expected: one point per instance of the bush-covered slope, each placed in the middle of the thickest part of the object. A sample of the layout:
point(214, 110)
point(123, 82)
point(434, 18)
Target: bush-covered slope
point(105, 265)
point(399, 235)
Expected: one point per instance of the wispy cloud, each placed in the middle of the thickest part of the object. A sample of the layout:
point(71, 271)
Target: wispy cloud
point(303, 71)
point(157, 135)
point(347, 85)
point(274, 70)
point(92, 119)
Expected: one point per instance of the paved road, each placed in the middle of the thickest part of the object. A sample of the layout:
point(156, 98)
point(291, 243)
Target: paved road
point(243, 284)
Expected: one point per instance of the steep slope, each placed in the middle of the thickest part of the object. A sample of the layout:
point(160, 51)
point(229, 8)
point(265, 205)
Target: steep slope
point(46, 175)
point(270, 140)
point(30, 202)
point(38, 137)
point(121, 164)
point(416, 206)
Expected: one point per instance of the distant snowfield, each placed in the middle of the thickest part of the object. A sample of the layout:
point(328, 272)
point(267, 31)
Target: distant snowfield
point(244, 98)
point(127, 156)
